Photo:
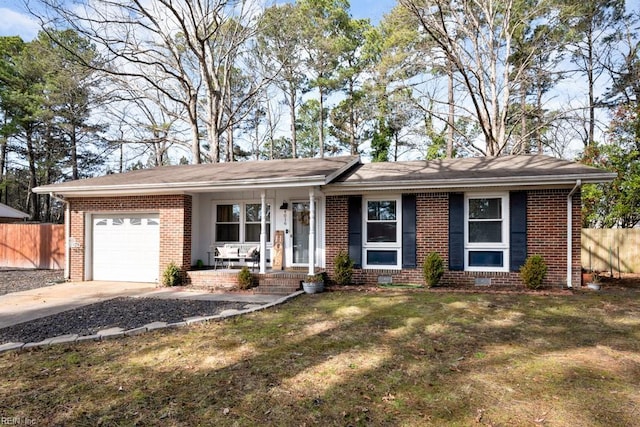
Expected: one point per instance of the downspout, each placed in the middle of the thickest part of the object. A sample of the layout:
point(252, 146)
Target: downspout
point(570, 232)
point(67, 221)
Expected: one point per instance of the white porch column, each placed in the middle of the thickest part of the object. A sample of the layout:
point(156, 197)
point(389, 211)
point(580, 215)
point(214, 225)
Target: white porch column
point(312, 231)
point(263, 233)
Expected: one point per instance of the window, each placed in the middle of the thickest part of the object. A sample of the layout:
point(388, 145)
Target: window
point(486, 232)
point(253, 222)
point(382, 233)
point(228, 223)
point(382, 224)
point(241, 222)
point(135, 221)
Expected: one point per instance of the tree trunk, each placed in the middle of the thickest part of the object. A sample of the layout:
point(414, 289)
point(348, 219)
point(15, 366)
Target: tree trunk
point(590, 82)
point(321, 123)
point(230, 154)
point(195, 131)
point(524, 145)
point(74, 152)
point(32, 199)
point(3, 161)
point(352, 120)
point(452, 112)
point(292, 111)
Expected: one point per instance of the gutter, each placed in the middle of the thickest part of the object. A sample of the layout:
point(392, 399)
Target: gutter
point(570, 231)
point(449, 184)
point(67, 235)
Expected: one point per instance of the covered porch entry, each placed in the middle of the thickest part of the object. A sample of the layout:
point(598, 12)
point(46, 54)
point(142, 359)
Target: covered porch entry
point(284, 226)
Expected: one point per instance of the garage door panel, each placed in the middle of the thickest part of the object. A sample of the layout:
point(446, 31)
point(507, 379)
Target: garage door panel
point(126, 248)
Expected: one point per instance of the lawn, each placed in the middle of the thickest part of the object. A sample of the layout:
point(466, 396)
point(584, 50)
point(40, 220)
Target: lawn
point(396, 357)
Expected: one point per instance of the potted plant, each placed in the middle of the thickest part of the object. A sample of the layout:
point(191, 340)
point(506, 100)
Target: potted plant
point(313, 283)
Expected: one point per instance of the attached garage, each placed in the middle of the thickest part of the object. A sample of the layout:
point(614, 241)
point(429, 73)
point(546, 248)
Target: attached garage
point(126, 247)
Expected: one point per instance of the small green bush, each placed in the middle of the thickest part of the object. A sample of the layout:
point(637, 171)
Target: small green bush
point(432, 269)
point(172, 275)
point(343, 268)
point(533, 271)
point(245, 278)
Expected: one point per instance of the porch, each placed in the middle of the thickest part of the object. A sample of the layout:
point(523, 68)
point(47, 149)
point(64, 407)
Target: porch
point(271, 282)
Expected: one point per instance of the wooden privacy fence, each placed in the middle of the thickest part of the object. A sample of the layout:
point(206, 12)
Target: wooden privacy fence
point(32, 246)
point(611, 249)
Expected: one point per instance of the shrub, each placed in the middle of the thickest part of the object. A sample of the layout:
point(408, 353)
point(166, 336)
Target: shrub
point(172, 275)
point(533, 271)
point(432, 269)
point(245, 278)
point(343, 266)
point(314, 278)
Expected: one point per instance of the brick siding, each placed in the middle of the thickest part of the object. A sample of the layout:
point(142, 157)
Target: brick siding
point(546, 236)
point(175, 226)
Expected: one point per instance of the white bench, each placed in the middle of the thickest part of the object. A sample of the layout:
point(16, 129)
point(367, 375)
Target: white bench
point(241, 252)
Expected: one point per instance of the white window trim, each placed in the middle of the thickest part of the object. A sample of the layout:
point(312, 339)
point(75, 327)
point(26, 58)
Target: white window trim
point(501, 246)
point(243, 222)
point(376, 246)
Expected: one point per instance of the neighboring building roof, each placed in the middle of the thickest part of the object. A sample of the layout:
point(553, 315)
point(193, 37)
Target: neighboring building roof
point(340, 175)
point(209, 177)
point(505, 171)
point(9, 212)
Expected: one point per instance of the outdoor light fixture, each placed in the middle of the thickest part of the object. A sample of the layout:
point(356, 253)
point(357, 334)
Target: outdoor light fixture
point(284, 205)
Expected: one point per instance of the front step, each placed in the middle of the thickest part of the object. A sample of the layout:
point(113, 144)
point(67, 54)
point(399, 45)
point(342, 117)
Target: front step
point(278, 285)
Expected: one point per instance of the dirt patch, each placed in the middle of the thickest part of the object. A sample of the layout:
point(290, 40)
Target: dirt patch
point(15, 280)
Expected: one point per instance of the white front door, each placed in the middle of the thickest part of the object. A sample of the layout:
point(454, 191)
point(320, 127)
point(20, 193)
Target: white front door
point(126, 248)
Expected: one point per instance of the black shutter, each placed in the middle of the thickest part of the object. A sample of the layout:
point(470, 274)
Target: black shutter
point(456, 231)
point(408, 231)
point(355, 230)
point(517, 229)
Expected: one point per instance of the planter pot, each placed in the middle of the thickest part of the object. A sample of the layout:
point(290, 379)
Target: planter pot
point(313, 287)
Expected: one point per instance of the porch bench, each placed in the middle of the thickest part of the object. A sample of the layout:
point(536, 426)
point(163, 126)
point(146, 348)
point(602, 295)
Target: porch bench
point(241, 252)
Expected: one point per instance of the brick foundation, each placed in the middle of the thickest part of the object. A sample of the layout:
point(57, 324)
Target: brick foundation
point(546, 236)
point(175, 226)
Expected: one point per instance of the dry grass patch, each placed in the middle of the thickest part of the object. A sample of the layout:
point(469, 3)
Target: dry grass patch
point(385, 358)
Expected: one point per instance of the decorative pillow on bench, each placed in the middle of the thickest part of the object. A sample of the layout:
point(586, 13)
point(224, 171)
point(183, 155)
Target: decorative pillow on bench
point(227, 252)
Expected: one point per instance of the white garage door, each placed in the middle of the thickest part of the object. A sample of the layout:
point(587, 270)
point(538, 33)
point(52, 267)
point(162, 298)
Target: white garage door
point(126, 248)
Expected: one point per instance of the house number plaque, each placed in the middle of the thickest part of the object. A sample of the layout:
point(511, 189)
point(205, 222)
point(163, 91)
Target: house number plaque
point(278, 250)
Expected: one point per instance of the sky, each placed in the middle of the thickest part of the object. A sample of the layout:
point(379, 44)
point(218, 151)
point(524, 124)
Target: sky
point(15, 20)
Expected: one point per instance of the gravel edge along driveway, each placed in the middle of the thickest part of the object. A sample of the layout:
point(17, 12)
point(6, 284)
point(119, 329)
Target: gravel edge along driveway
point(17, 280)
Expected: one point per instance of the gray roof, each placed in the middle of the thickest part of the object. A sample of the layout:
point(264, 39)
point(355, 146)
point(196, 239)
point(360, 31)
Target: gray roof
point(209, 177)
point(523, 170)
point(9, 212)
point(340, 175)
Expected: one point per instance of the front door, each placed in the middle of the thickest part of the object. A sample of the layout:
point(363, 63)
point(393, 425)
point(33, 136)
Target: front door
point(300, 233)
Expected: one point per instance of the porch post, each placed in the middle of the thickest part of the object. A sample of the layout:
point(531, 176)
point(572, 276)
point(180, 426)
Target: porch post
point(263, 233)
point(312, 232)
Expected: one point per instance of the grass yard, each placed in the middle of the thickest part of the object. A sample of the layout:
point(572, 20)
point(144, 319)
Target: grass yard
point(396, 357)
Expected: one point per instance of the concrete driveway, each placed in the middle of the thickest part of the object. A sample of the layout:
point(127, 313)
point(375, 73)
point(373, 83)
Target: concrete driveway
point(24, 306)
point(19, 307)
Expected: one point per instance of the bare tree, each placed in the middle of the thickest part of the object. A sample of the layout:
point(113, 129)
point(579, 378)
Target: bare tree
point(475, 38)
point(185, 50)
